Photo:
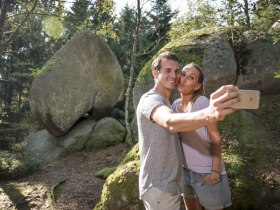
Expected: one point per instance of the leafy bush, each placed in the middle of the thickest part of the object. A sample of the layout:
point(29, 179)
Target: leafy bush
point(15, 165)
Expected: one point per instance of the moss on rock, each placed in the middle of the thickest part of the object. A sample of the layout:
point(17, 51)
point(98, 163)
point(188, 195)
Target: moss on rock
point(107, 132)
point(249, 157)
point(77, 145)
point(120, 190)
point(105, 172)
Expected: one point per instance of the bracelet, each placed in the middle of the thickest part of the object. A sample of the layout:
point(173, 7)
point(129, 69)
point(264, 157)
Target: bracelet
point(216, 171)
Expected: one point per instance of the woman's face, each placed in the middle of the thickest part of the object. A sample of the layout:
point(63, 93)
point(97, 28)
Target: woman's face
point(188, 82)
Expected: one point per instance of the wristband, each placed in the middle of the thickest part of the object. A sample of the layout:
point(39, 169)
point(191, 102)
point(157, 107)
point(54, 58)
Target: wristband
point(216, 171)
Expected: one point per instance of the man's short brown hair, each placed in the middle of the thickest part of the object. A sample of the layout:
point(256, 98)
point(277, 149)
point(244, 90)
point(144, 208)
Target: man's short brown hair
point(156, 65)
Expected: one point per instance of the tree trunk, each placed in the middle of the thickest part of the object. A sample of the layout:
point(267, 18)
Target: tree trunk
point(247, 15)
point(4, 9)
point(131, 76)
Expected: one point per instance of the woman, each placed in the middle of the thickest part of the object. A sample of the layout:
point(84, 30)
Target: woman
point(205, 178)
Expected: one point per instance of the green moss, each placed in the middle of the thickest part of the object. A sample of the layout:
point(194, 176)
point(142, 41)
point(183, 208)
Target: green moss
point(120, 190)
point(48, 66)
point(106, 133)
point(185, 48)
point(144, 73)
point(78, 144)
point(105, 172)
point(132, 155)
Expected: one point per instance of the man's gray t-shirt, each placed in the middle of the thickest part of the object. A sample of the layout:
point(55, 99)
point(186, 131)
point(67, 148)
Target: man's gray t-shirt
point(159, 149)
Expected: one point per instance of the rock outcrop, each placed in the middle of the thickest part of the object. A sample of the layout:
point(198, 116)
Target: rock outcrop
point(46, 148)
point(211, 48)
point(82, 77)
point(261, 58)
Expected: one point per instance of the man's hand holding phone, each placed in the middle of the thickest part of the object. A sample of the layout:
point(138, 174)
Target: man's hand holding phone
point(249, 99)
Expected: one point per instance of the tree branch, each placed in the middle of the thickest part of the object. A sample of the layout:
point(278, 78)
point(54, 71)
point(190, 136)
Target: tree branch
point(22, 22)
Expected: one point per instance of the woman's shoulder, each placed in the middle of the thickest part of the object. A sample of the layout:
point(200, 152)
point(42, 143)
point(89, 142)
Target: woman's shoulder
point(202, 99)
point(175, 104)
point(201, 102)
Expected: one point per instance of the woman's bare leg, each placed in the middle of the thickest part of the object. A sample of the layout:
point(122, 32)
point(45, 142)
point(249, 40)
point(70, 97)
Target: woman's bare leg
point(192, 204)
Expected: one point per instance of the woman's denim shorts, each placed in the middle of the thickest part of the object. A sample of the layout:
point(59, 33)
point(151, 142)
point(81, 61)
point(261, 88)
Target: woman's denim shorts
point(215, 196)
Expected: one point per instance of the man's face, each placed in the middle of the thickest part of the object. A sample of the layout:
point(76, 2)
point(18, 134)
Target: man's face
point(169, 74)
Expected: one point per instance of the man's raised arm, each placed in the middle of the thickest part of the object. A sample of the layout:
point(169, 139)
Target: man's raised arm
point(219, 107)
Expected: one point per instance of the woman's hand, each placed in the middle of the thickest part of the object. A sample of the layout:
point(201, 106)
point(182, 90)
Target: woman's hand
point(210, 179)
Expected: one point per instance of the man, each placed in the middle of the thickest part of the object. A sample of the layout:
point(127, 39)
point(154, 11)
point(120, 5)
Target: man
point(160, 179)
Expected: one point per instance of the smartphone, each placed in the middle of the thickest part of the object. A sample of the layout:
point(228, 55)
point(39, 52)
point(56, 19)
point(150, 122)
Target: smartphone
point(249, 99)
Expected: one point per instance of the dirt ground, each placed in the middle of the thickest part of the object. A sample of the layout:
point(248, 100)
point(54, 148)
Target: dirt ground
point(69, 183)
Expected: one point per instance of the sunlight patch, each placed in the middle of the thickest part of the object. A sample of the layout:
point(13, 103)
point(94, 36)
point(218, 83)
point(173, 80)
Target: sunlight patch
point(53, 27)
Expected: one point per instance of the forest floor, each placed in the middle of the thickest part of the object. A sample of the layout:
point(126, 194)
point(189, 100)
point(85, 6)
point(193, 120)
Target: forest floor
point(75, 174)
point(70, 183)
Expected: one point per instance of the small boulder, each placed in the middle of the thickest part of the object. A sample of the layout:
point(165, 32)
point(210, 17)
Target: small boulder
point(107, 132)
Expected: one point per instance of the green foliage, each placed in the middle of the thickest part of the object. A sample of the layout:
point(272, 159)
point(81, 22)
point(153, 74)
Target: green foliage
point(201, 14)
point(26, 51)
point(102, 18)
point(77, 18)
point(160, 17)
point(266, 14)
point(277, 74)
point(125, 26)
point(15, 165)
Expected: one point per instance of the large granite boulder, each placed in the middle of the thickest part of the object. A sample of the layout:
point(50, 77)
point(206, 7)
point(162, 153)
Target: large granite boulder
point(259, 62)
point(207, 47)
point(82, 77)
point(211, 49)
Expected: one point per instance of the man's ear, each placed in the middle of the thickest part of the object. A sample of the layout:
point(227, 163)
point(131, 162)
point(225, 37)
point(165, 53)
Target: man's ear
point(155, 73)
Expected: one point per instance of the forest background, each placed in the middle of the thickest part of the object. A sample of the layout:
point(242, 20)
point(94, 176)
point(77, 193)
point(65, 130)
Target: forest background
point(32, 31)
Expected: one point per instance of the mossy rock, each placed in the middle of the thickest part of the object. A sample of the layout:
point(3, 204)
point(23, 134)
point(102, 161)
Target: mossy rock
point(105, 172)
point(132, 155)
point(107, 132)
point(249, 151)
point(120, 190)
